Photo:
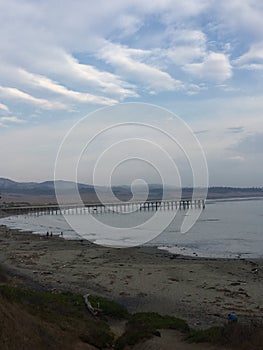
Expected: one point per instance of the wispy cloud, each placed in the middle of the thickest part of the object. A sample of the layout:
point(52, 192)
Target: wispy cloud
point(87, 75)
point(11, 119)
point(236, 129)
point(3, 108)
point(243, 17)
point(252, 59)
point(48, 84)
point(201, 131)
point(8, 120)
point(129, 63)
point(201, 59)
point(250, 144)
point(16, 94)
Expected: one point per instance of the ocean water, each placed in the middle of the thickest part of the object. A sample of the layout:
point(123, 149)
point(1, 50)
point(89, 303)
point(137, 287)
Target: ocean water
point(226, 228)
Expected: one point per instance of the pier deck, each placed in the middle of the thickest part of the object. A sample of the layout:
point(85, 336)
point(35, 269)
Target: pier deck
point(122, 207)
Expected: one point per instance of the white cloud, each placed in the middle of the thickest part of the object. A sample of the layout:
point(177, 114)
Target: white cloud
point(178, 10)
point(215, 67)
point(106, 51)
point(5, 121)
point(193, 89)
point(128, 24)
point(243, 17)
point(4, 108)
point(253, 59)
point(16, 94)
point(63, 68)
point(109, 83)
point(11, 119)
point(126, 62)
point(48, 84)
point(237, 158)
point(250, 144)
point(183, 46)
point(187, 36)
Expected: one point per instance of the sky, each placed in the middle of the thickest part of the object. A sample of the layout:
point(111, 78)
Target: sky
point(200, 59)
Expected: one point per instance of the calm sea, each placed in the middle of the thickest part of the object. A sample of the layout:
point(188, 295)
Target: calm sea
point(226, 228)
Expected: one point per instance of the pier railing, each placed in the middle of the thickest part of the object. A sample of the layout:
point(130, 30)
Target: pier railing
point(95, 208)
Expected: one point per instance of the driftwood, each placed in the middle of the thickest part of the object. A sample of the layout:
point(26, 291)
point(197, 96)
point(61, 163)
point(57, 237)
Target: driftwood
point(91, 309)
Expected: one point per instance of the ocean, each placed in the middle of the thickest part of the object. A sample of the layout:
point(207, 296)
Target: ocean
point(231, 228)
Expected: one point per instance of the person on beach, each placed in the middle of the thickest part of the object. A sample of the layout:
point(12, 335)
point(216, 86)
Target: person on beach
point(47, 234)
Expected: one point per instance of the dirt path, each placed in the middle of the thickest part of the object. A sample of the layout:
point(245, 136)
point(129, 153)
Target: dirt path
point(172, 340)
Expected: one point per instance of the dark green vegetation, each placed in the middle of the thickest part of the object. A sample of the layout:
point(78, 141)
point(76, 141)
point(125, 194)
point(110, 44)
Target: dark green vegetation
point(156, 321)
point(61, 320)
point(109, 307)
point(210, 335)
point(233, 335)
point(64, 309)
point(142, 326)
point(63, 304)
point(68, 310)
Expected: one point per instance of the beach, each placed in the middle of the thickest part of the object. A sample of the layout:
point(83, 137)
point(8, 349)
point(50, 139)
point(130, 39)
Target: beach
point(200, 290)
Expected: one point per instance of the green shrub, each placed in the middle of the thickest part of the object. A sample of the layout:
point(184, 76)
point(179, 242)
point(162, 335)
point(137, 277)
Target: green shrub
point(156, 321)
point(98, 334)
point(235, 335)
point(59, 304)
point(143, 326)
point(210, 335)
point(109, 307)
point(134, 334)
point(66, 309)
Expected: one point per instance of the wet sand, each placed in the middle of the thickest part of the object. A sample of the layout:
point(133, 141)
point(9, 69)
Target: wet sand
point(201, 291)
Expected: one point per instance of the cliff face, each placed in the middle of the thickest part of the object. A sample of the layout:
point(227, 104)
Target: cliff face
point(20, 329)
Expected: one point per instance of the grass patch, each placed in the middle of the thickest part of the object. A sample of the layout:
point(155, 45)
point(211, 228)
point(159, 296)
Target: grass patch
point(69, 312)
point(65, 309)
point(235, 335)
point(210, 335)
point(143, 326)
point(109, 307)
point(99, 335)
point(134, 334)
point(157, 321)
point(61, 304)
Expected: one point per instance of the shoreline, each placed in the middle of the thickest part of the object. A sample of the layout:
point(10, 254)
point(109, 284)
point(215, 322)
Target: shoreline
point(177, 250)
point(200, 290)
point(170, 249)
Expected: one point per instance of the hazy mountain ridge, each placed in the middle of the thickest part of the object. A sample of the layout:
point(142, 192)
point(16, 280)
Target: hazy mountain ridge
point(39, 188)
point(48, 188)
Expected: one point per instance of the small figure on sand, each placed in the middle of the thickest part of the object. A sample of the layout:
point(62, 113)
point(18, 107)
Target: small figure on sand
point(61, 234)
point(232, 317)
point(47, 234)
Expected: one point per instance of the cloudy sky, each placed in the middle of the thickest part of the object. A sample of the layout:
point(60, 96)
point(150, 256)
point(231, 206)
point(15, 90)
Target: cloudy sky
point(200, 59)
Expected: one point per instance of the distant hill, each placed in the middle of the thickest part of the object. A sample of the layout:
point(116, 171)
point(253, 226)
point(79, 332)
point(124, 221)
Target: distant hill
point(234, 192)
point(41, 188)
point(44, 192)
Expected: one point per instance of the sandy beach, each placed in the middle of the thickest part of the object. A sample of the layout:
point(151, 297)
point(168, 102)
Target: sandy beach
point(202, 291)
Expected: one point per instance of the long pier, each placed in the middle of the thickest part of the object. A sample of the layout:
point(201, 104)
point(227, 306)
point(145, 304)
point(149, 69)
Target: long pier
point(96, 208)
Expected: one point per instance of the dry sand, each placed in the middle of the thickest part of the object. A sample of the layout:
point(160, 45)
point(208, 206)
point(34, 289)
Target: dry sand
point(201, 291)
